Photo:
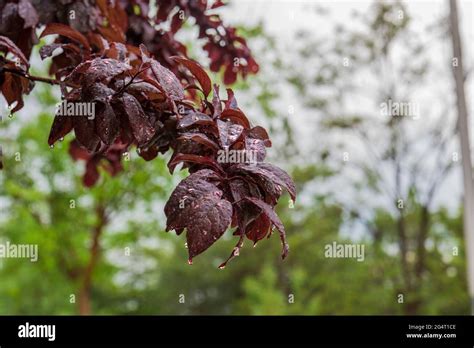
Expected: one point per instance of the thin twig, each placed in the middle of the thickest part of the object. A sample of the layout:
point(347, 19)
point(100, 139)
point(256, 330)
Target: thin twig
point(130, 82)
point(31, 77)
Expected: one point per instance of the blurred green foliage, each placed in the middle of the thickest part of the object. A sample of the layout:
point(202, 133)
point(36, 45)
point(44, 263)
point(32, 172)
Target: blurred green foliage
point(150, 276)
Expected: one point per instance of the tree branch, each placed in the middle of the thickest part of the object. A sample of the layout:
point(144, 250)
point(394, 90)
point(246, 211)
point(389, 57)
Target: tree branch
point(31, 77)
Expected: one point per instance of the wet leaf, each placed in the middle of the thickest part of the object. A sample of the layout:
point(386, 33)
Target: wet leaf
point(198, 72)
point(67, 31)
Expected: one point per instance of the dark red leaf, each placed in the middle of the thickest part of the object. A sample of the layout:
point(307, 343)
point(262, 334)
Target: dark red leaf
point(198, 73)
point(195, 118)
point(104, 70)
point(199, 138)
point(149, 153)
point(48, 50)
point(167, 80)
point(62, 125)
point(107, 124)
point(236, 116)
point(258, 228)
point(216, 102)
point(208, 222)
point(230, 76)
point(256, 148)
point(217, 4)
point(270, 213)
point(85, 133)
point(260, 133)
point(228, 132)
point(78, 152)
point(142, 129)
point(6, 43)
point(67, 31)
point(203, 160)
point(197, 205)
point(12, 90)
point(231, 102)
point(92, 172)
point(269, 173)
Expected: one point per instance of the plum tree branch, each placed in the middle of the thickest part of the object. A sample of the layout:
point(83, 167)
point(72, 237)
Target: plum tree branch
point(31, 77)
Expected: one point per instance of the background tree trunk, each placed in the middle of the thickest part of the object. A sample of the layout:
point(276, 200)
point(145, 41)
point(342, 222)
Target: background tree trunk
point(84, 303)
point(463, 124)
